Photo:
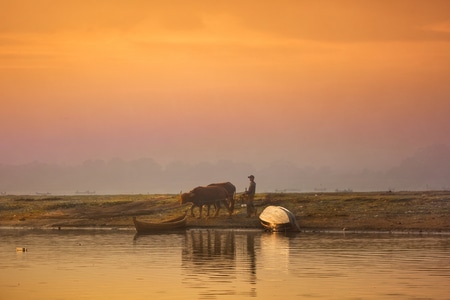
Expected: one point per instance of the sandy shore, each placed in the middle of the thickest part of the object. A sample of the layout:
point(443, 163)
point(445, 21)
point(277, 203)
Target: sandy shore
point(377, 211)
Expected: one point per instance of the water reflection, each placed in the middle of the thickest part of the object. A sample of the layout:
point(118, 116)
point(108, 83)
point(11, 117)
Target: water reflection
point(217, 264)
point(213, 260)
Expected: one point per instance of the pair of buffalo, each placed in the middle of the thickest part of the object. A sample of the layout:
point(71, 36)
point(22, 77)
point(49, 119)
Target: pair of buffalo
point(212, 194)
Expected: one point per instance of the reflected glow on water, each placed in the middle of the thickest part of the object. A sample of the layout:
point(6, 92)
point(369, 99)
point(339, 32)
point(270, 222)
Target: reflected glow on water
point(221, 264)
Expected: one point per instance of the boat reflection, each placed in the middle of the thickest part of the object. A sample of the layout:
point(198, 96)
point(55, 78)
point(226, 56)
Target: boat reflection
point(210, 261)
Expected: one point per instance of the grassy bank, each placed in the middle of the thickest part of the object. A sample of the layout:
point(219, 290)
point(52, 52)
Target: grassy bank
point(397, 211)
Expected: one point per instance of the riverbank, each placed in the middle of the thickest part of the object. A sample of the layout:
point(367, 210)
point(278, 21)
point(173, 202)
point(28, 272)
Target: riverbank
point(375, 211)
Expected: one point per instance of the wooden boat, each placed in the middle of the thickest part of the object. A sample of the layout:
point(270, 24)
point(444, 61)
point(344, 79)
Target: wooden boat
point(278, 218)
point(150, 227)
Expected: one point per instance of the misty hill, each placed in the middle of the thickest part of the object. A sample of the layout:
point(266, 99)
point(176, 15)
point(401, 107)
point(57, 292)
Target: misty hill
point(428, 169)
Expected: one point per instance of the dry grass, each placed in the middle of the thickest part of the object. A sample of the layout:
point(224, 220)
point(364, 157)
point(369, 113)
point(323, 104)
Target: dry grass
point(399, 211)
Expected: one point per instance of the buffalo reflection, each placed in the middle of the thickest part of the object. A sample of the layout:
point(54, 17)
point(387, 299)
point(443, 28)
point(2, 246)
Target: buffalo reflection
point(210, 258)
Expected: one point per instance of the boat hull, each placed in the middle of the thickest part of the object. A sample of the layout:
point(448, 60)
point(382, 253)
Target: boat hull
point(151, 227)
point(278, 218)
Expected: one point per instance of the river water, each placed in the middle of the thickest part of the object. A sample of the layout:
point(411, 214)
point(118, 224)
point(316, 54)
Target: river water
point(222, 264)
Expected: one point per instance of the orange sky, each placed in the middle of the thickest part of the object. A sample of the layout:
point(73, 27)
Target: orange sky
point(323, 83)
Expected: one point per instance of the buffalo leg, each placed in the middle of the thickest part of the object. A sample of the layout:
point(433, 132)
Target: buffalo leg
point(231, 206)
point(200, 208)
point(207, 211)
point(217, 207)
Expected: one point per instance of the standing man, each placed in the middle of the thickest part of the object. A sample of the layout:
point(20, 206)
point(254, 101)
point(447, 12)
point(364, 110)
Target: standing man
point(250, 193)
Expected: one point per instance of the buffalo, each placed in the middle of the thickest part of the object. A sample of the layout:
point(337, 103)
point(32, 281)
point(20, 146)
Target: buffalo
point(209, 195)
point(231, 189)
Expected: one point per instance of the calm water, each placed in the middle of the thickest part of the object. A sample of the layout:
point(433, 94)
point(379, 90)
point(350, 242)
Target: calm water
point(222, 264)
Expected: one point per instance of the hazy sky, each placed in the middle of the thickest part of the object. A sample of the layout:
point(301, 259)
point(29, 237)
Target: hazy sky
point(322, 83)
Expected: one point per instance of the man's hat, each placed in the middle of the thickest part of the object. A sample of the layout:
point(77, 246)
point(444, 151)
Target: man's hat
point(251, 176)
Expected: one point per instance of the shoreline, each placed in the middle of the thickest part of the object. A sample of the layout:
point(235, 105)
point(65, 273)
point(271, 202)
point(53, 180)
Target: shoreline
point(353, 212)
point(259, 229)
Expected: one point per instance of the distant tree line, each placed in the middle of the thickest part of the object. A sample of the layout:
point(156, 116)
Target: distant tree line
point(429, 169)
